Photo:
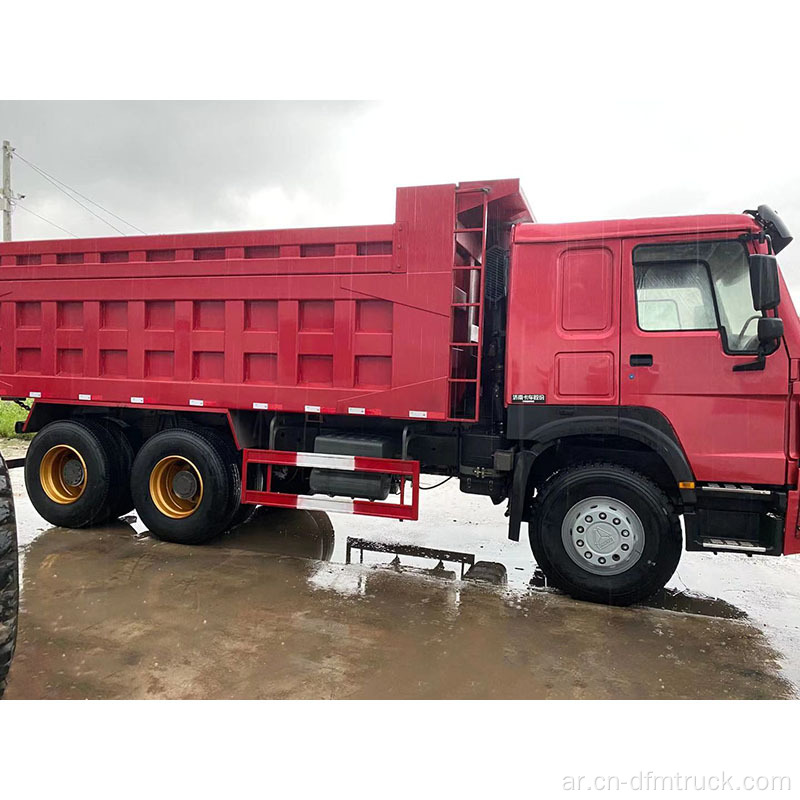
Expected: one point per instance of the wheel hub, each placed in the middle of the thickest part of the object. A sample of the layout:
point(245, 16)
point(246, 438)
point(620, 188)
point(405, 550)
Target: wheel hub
point(603, 535)
point(72, 472)
point(176, 487)
point(184, 484)
point(602, 538)
point(62, 474)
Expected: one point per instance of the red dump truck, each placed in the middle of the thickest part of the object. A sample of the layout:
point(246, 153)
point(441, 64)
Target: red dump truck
point(604, 378)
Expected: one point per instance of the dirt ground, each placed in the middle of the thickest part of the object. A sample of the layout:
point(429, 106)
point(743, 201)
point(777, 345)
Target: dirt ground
point(112, 613)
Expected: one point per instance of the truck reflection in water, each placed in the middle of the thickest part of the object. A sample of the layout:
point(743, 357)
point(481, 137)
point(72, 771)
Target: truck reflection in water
point(286, 532)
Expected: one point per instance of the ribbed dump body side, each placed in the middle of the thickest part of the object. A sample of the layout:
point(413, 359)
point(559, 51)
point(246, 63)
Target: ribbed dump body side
point(351, 320)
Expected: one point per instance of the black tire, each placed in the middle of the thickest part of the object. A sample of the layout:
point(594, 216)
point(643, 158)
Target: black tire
point(246, 511)
point(9, 576)
point(243, 514)
point(121, 501)
point(661, 533)
point(98, 448)
point(239, 512)
point(327, 533)
point(215, 504)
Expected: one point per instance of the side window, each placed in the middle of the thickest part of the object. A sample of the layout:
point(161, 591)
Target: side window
point(674, 296)
point(738, 318)
point(697, 285)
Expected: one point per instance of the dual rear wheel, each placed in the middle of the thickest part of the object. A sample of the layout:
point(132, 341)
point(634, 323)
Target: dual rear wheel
point(184, 482)
point(186, 485)
point(77, 472)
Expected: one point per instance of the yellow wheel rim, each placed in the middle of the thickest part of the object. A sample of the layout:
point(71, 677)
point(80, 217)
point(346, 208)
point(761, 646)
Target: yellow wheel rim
point(176, 487)
point(62, 474)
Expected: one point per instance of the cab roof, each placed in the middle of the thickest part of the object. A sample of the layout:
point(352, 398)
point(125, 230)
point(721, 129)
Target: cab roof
point(629, 228)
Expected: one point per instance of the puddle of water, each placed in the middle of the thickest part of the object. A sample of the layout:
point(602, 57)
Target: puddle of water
point(726, 587)
point(312, 535)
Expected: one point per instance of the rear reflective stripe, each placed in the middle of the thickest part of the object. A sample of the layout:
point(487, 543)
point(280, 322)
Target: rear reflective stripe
point(405, 470)
point(326, 461)
point(342, 506)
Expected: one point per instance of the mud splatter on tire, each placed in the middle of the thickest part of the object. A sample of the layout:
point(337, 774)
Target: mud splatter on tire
point(9, 576)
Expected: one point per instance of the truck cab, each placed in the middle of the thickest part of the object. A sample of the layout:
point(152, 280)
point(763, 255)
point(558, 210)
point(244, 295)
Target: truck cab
point(668, 346)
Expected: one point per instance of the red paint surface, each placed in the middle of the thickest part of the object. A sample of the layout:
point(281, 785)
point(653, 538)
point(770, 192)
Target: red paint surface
point(328, 317)
point(572, 328)
point(732, 425)
point(563, 320)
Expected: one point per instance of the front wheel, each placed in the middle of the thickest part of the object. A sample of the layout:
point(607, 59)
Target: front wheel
point(604, 533)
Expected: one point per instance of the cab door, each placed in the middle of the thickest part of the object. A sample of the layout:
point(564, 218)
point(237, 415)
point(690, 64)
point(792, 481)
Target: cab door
point(687, 320)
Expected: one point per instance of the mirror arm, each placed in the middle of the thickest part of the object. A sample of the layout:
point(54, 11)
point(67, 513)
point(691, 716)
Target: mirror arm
point(752, 366)
point(758, 365)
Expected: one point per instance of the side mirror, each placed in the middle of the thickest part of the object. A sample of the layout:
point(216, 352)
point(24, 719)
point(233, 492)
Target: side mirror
point(770, 332)
point(770, 329)
point(764, 283)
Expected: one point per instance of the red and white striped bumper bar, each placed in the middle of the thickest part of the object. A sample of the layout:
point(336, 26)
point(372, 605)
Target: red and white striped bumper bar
point(371, 508)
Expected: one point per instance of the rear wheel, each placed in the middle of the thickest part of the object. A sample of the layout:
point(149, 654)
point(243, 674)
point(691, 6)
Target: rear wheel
point(184, 485)
point(9, 579)
point(243, 514)
point(122, 502)
point(604, 533)
point(74, 473)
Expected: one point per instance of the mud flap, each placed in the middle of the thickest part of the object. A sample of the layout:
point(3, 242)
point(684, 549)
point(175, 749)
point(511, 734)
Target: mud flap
point(519, 489)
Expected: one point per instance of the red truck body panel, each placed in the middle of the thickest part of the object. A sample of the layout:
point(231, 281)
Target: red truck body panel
point(330, 320)
point(572, 293)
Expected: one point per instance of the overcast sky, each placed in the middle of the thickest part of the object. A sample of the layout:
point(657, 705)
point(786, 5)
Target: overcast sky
point(192, 166)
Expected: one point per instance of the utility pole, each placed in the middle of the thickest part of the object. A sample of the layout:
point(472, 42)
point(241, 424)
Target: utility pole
point(6, 191)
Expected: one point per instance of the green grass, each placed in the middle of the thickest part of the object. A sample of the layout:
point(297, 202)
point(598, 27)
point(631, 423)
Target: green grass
point(9, 414)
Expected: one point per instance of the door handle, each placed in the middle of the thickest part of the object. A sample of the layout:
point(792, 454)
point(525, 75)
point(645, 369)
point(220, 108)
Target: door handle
point(641, 360)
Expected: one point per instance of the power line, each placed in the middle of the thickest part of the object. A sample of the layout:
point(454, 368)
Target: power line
point(63, 191)
point(17, 204)
point(59, 184)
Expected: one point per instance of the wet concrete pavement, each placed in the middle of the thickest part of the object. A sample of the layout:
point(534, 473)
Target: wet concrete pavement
point(112, 613)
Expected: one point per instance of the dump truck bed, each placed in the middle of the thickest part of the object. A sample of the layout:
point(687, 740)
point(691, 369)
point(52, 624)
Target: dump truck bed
point(352, 320)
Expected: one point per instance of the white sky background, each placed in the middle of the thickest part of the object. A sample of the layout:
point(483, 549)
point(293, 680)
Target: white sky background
point(602, 109)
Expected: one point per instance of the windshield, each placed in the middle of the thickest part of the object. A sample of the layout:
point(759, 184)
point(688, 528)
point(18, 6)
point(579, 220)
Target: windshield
point(697, 286)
